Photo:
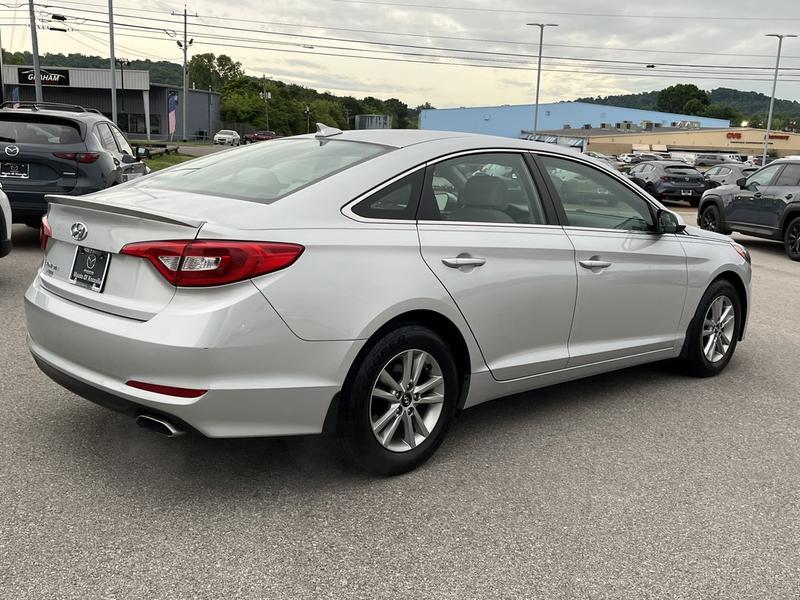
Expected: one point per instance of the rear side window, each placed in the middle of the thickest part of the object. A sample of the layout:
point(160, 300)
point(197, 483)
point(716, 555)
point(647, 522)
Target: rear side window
point(265, 172)
point(396, 201)
point(24, 131)
point(790, 176)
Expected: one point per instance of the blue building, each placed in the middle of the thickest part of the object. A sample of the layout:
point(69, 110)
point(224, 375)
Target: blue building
point(514, 121)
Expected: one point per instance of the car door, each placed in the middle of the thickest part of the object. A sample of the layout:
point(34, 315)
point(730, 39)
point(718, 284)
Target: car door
point(770, 206)
point(631, 281)
point(489, 236)
point(745, 207)
point(108, 143)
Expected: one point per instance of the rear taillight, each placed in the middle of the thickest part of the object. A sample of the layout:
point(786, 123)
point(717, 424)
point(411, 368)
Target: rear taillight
point(81, 157)
point(665, 178)
point(201, 263)
point(45, 233)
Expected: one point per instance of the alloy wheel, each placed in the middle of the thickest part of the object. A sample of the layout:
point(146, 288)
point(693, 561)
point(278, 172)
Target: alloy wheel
point(718, 329)
point(793, 239)
point(709, 221)
point(407, 400)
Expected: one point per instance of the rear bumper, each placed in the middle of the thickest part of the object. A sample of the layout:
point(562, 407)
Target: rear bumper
point(261, 379)
point(27, 205)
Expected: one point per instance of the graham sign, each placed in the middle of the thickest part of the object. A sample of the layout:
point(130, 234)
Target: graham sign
point(49, 76)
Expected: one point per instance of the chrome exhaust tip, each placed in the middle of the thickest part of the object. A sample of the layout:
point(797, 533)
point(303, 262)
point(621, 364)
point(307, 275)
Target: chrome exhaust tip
point(158, 425)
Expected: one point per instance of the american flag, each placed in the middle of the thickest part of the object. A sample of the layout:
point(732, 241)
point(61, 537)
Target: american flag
point(172, 111)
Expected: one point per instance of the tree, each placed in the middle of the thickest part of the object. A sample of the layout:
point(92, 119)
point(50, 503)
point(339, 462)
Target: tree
point(723, 111)
point(675, 97)
point(694, 107)
point(210, 71)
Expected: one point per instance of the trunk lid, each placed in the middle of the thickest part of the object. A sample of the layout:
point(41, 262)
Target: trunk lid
point(131, 286)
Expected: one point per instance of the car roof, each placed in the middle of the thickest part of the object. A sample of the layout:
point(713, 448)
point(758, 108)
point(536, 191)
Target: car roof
point(88, 116)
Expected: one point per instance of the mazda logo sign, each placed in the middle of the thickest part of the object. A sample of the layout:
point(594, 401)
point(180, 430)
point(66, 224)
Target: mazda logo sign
point(78, 232)
point(12, 150)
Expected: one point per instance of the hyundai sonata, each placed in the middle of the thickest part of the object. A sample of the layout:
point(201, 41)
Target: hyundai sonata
point(373, 283)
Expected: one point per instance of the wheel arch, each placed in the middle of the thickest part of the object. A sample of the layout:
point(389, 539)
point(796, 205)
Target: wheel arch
point(434, 321)
point(716, 201)
point(789, 215)
point(736, 281)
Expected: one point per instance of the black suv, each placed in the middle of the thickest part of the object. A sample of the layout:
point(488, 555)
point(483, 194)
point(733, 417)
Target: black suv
point(766, 204)
point(673, 180)
point(59, 149)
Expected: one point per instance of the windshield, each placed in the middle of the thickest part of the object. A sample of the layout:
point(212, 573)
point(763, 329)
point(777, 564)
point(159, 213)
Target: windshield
point(265, 173)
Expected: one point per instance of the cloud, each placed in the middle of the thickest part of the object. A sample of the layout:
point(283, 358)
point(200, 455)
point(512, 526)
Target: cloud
point(697, 39)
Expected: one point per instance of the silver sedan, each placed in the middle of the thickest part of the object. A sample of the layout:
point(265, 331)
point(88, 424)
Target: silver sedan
point(373, 283)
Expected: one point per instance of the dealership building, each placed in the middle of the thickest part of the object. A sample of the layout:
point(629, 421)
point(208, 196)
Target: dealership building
point(141, 104)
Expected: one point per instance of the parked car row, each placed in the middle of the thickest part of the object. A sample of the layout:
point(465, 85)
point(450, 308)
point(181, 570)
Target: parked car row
point(229, 137)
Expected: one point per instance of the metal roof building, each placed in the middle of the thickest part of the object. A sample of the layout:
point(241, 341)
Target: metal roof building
point(141, 104)
point(517, 120)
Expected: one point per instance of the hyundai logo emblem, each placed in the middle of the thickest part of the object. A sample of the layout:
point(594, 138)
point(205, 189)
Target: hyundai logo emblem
point(12, 150)
point(78, 231)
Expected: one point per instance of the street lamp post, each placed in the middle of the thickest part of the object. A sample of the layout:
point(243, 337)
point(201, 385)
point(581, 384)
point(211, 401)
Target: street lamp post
point(541, 27)
point(780, 37)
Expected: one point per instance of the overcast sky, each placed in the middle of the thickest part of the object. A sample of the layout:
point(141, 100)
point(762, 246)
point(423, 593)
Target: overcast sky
point(682, 31)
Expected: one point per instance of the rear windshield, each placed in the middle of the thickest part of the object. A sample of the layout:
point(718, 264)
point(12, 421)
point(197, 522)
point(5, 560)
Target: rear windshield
point(681, 170)
point(265, 172)
point(22, 131)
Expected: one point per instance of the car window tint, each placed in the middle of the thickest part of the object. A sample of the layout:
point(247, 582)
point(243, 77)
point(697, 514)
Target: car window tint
point(20, 131)
point(790, 176)
point(713, 171)
point(396, 201)
point(764, 176)
point(592, 198)
point(482, 188)
point(106, 137)
point(265, 172)
point(123, 144)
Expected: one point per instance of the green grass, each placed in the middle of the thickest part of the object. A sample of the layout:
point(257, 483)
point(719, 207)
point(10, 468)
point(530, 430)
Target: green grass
point(162, 161)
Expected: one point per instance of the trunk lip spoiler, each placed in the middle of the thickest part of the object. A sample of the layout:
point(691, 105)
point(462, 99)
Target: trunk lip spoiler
point(122, 210)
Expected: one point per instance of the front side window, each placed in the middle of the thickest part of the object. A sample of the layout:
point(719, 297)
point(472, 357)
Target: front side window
point(714, 171)
point(762, 177)
point(482, 188)
point(123, 144)
point(790, 176)
point(265, 172)
point(592, 198)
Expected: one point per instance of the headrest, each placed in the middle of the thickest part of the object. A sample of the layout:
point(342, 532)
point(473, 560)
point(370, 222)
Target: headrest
point(484, 191)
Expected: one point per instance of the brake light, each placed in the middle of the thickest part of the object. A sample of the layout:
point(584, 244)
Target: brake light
point(45, 233)
point(201, 263)
point(167, 390)
point(81, 157)
point(665, 178)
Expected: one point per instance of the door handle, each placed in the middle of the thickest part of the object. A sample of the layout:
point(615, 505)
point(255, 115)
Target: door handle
point(594, 264)
point(464, 261)
point(757, 195)
point(789, 196)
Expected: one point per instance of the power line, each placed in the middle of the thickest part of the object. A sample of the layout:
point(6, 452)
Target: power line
point(550, 12)
point(442, 49)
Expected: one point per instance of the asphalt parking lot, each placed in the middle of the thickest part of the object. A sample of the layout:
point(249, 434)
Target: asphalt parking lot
point(638, 484)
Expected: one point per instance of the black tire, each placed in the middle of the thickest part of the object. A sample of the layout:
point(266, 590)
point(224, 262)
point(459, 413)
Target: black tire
point(791, 239)
point(354, 427)
point(650, 189)
point(694, 359)
point(709, 218)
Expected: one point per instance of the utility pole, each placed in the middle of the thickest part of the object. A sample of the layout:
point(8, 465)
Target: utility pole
point(185, 46)
point(780, 37)
point(541, 27)
point(308, 119)
point(37, 70)
point(112, 60)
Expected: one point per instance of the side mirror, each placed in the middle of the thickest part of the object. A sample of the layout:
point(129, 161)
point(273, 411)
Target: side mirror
point(128, 159)
point(142, 152)
point(668, 222)
point(742, 182)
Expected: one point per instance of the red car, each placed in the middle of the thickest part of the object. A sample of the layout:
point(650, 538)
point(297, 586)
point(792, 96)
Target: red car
point(258, 136)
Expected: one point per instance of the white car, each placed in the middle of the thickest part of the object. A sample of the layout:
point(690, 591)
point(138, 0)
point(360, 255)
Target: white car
point(227, 137)
point(372, 282)
point(5, 224)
